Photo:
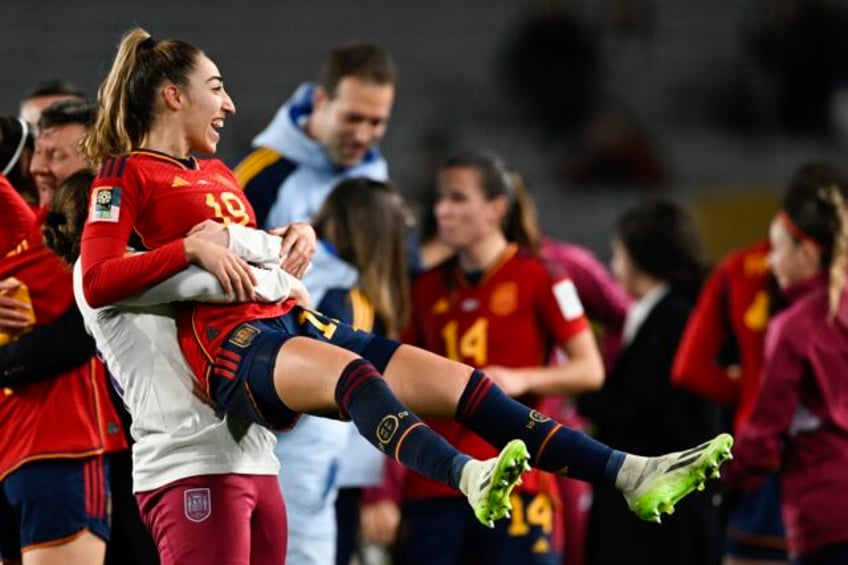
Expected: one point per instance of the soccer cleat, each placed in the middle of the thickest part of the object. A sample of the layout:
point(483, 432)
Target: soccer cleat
point(488, 484)
point(665, 480)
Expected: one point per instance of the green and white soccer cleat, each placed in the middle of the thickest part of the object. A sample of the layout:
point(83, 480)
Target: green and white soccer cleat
point(665, 480)
point(488, 484)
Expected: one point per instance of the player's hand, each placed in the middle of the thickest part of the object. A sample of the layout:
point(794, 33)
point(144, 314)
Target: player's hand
point(299, 242)
point(301, 296)
point(509, 380)
point(15, 315)
point(212, 231)
point(232, 271)
point(379, 522)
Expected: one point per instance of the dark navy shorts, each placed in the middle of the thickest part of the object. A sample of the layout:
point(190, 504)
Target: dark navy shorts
point(444, 531)
point(242, 380)
point(50, 502)
point(755, 525)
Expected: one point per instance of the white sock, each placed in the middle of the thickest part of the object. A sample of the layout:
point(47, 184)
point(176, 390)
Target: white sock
point(629, 475)
point(469, 470)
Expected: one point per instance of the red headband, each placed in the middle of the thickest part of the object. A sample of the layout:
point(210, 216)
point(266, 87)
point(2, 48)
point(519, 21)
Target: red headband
point(796, 232)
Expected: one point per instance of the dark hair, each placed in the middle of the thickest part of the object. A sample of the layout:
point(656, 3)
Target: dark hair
point(64, 112)
point(363, 61)
point(62, 229)
point(16, 138)
point(811, 177)
point(54, 87)
point(662, 240)
point(127, 95)
point(519, 223)
point(366, 222)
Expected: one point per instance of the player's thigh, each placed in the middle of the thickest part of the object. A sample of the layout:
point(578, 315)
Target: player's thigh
point(435, 531)
point(201, 520)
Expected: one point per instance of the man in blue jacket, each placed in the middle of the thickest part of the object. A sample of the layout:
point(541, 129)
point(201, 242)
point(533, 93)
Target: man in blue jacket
point(325, 132)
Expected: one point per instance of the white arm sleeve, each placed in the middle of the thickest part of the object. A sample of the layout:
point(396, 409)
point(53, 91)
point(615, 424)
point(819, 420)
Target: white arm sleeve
point(197, 284)
point(255, 246)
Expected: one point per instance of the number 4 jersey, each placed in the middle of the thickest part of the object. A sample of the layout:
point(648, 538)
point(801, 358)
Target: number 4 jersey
point(161, 198)
point(513, 316)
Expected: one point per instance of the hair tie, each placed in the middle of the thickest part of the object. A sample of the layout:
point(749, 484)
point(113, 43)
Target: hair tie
point(148, 43)
point(17, 154)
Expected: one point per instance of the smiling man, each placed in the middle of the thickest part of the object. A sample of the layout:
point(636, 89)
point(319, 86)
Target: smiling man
point(325, 132)
point(58, 154)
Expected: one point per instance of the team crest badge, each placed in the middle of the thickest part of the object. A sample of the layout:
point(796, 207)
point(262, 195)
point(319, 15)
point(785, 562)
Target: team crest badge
point(105, 205)
point(198, 504)
point(243, 335)
point(504, 299)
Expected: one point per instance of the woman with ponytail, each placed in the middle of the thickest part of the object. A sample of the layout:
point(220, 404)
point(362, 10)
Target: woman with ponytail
point(799, 423)
point(268, 363)
point(496, 306)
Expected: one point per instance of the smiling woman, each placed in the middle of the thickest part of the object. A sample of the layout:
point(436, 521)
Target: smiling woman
point(269, 363)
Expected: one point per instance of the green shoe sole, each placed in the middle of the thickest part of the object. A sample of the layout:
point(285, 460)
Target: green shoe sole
point(511, 463)
point(689, 473)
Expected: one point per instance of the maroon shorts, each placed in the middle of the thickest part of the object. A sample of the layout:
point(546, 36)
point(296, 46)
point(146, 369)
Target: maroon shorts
point(234, 519)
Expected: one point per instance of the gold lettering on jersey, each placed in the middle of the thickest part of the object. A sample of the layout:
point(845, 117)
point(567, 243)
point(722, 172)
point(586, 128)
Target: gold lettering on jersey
point(228, 207)
point(504, 299)
point(179, 181)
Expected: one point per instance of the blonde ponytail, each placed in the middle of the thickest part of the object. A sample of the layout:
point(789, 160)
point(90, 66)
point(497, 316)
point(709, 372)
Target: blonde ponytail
point(839, 254)
point(127, 96)
point(110, 135)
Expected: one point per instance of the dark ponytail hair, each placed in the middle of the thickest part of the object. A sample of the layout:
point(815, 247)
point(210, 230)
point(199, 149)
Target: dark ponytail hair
point(821, 217)
point(62, 229)
point(519, 224)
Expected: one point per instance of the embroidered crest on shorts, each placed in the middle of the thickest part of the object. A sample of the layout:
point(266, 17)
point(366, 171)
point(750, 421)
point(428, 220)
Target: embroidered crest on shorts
point(197, 504)
point(105, 204)
point(243, 335)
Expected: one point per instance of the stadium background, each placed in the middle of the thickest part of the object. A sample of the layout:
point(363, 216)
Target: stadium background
point(597, 102)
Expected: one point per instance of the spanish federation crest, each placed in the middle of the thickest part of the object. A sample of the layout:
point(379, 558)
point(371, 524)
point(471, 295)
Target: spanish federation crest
point(197, 503)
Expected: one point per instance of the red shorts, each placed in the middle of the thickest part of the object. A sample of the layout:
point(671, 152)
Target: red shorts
point(234, 519)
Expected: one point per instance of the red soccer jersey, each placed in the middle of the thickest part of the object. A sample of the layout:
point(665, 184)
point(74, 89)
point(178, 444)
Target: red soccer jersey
point(733, 306)
point(512, 317)
point(67, 416)
point(162, 198)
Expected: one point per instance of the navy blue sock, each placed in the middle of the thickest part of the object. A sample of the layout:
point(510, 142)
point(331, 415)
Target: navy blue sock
point(497, 418)
point(364, 397)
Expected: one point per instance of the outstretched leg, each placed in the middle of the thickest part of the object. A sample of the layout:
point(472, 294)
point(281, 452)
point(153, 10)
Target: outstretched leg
point(266, 375)
point(651, 485)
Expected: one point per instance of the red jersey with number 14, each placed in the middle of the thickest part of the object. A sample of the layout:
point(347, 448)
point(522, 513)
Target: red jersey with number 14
point(162, 198)
point(513, 317)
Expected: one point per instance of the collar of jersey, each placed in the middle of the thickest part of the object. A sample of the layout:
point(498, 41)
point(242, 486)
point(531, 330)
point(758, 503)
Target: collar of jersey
point(189, 164)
